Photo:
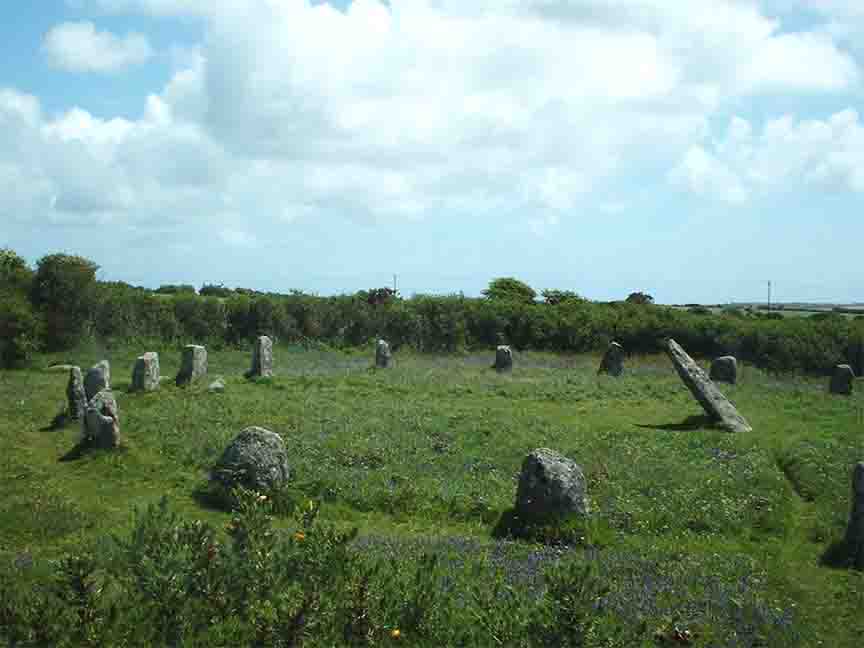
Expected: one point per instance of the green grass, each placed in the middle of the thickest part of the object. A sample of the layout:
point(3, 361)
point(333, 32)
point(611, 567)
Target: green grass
point(429, 452)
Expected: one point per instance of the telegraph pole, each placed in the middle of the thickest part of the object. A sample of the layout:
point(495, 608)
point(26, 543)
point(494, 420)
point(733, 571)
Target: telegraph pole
point(769, 295)
point(394, 283)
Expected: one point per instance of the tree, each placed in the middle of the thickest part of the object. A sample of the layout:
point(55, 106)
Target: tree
point(15, 275)
point(63, 290)
point(639, 298)
point(510, 289)
point(555, 297)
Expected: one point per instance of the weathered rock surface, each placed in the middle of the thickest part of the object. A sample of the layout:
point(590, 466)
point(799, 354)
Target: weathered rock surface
point(725, 369)
point(613, 360)
point(75, 394)
point(256, 459)
point(842, 380)
point(101, 422)
point(193, 364)
point(855, 530)
point(550, 483)
point(217, 386)
point(503, 358)
point(383, 355)
point(715, 404)
point(145, 374)
point(98, 377)
point(262, 358)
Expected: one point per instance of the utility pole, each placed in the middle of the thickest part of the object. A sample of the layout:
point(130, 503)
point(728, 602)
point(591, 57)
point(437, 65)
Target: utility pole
point(769, 295)
point(394, 283)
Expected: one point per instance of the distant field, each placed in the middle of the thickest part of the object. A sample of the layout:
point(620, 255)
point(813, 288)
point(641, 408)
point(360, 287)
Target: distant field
point(728, 535)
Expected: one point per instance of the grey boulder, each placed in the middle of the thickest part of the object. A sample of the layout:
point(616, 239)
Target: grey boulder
point(262, 358)
point(217, 386)
point(257, 459)
point(98, 377)
point(193, 364)
point(715, 404)
point(383, 355)
point(550, 483)
point(101, 422)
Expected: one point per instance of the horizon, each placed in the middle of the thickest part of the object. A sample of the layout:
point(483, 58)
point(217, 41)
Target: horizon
point(689, 151)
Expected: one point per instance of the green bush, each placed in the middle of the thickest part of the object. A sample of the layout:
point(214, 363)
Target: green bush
point(20, 331)
point(63, 291)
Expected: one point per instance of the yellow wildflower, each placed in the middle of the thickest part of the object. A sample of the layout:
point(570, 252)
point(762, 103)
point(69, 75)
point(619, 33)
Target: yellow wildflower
point(299, 536)
point(395, 633)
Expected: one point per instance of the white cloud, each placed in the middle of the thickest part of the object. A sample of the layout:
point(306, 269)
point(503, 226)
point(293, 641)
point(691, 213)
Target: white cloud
point(79, 47)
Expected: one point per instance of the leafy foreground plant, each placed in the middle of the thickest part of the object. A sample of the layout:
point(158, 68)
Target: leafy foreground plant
point(172, 582)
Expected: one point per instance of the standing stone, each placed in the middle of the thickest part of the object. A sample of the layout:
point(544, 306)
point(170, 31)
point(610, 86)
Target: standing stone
point(550, 484)
point(842, 380)
point(855, 530)
point(855, 357)
point(193, 364)
point(725, 369)
point(262, 358)
point(145, 374)
point(613, 360)
point(257, 459)
point(503, 358)
point(98, 377)
point(101, 422)
point(75, 394)
point(383, 355)
point(712, 401)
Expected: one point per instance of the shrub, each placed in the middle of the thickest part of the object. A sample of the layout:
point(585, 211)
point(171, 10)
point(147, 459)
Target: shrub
point(63, 290)
point(19, 331)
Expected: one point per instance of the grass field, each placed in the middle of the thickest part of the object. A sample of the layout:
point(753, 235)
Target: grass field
point(733, 536)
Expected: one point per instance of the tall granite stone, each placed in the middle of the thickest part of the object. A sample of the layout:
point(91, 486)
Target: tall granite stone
point(712, 401)
point(101, 422)
point(97, 378)
point(145, 374)
point(724, 369)
point(550, 483)
point(256, 459)
point(613, 360)
point(855, 530)
point(262, 358)
point(75, 394)
point(193, 364)
point(383, 355)
point(503, 358)
point(842, 380)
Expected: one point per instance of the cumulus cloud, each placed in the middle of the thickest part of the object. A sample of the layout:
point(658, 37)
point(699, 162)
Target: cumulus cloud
point(786, 154)
point(79, 47)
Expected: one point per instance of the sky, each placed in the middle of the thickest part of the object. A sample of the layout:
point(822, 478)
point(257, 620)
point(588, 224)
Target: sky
point(692, 150)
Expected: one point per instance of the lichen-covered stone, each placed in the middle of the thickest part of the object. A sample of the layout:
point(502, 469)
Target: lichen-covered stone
point(145, 374)
point(715, 404)
point(257, 459)
point(724, 369)
point(262, 358)
point(383, 355)
point(550, 483)
point(855, 530)
point(842, 380)
point(101, 422)
point(503, 358)
point(75, 394)
point(193, 364)
point(97, 378)
point(613, 360)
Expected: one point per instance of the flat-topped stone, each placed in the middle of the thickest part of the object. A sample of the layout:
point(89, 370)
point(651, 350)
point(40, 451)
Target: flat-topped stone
point(145, 374)
point(715, 404)
point(193, 364)
point(613, 360)
point(383, 355)
point(503, 358)
point(842, 380)
point(101, 422)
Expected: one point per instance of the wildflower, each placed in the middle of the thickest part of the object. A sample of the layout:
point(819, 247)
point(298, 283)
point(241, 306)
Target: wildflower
point(395, 633)
point(262, 498)
point(299, 536)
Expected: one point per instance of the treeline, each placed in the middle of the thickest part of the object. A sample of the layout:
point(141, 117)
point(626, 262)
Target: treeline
point(60, 303)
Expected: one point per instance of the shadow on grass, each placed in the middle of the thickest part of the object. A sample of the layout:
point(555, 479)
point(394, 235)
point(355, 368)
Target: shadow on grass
point(84, 448)
point(209, 498)
point(60, 421)
point(689, 424)
point(838, 555)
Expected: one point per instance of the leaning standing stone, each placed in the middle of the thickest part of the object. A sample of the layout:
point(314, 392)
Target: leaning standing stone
point(725, 369)
point(75, 394)
point(193, 364)
point(842, 380)
point(101, 423)
point(503, 358)
point(262, 358)
point(383, 355)
point(257, 459)
point(98, 377)
point(550, 483)
point(855, 530)
point(145, 375)
point(712, 401)
point(613, 360)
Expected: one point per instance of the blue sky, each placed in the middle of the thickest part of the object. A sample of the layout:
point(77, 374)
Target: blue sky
point(691, 150)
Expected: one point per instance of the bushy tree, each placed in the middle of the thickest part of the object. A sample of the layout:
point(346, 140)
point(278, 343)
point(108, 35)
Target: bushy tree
point(63, 291)
point(639, 298)
point(555, 297)
point(214, 290)
point(174, 289)
point(510, 289)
